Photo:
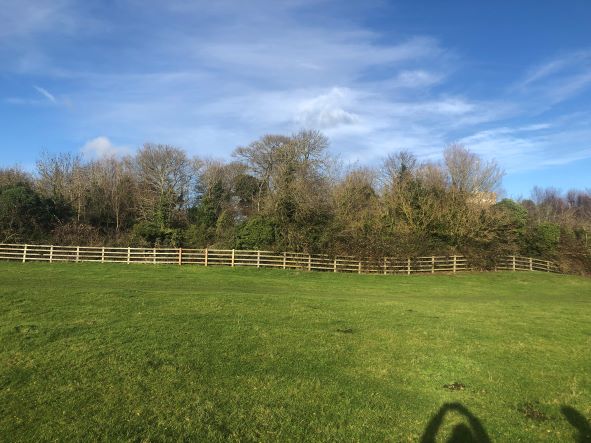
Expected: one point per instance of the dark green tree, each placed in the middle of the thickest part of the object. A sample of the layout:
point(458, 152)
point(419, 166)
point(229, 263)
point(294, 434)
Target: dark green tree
point(27, 216)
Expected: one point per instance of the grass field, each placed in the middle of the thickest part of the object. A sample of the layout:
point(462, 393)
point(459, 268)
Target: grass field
point(142, 353)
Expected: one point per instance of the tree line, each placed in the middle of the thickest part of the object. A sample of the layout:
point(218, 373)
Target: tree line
point(288, 193)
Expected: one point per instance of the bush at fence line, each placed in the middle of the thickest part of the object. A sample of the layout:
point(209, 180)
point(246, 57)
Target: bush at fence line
point(256, 233)
point(544, 239)
point(27, 215)
point(150, 233)
point(198, 236)
point(77, 234)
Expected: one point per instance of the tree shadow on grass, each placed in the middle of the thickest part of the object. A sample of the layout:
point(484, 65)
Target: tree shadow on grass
point(578, 420)
point(472, 432)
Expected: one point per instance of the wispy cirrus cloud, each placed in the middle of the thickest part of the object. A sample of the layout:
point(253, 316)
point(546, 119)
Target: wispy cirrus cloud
point(24, 19)
point(560, 78)
point(45, 93)
point(560, 64)
point(536, 146)
point(208, 76)
point(42, 98)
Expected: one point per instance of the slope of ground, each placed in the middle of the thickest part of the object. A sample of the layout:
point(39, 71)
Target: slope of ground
point(142, 353)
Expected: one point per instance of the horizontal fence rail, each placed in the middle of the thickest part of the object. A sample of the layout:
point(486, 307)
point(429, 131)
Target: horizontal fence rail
point(261, 259)
point(516, 263)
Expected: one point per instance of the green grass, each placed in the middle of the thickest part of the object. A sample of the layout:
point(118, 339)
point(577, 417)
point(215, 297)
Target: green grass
point(165, 353)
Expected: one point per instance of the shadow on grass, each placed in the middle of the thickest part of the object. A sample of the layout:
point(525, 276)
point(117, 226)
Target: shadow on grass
point(578, 420)
point(473, 432)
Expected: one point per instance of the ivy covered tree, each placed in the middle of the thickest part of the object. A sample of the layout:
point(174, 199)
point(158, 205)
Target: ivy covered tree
point(27, 216)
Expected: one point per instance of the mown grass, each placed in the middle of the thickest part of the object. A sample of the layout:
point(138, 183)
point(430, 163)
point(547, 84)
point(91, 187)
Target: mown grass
point(142, 353)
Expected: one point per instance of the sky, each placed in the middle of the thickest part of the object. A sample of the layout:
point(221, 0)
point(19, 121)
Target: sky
point(511, 80)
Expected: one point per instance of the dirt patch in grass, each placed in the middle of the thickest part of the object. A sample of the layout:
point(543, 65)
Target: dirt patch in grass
point(531, 411)
point(455, 386)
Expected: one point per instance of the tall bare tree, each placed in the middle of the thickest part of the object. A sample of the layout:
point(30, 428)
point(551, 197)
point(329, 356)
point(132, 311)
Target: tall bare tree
point(164, 178)
point(262, 156)
point(469, 173)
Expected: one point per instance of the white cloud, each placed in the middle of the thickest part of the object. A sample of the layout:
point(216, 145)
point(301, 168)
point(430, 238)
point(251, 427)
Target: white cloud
point(45, 93)
point(416, 79)
point(20, 101)
point(559, 79)
point(557, 65)
point(102, 147)
point(570, 86)
point(534, 146)
point(23, 18)
point(228, 72)
point(326, 111)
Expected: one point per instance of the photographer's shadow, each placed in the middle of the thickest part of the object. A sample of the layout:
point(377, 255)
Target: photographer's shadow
point(579, 422)
point(470, 432)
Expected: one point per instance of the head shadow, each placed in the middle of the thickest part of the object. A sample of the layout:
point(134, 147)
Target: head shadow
point(578, 421)
point(471, 431)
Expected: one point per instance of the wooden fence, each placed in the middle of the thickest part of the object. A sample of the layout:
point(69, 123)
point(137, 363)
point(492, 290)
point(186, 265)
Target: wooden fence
point(516, 263)
point(260, 259)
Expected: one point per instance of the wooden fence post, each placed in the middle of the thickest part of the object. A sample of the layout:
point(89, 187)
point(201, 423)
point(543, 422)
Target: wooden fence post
point(298, 261)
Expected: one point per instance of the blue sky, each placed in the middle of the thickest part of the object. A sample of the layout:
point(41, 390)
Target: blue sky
point(509, 79)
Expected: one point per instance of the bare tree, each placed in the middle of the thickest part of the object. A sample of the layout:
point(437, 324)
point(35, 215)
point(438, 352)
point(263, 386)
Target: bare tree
point(397, 167)
point(358, 228)
point(469, 173)
point(63, 177)
point(261, 156)
point(432, 175)
point(12, 176)
point(164, 177)
point(113, 190)
point(274, 157)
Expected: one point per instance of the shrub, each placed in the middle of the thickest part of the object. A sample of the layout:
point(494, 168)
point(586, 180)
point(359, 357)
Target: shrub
point(152, 234)
point(544, 239)
point(256, 233)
